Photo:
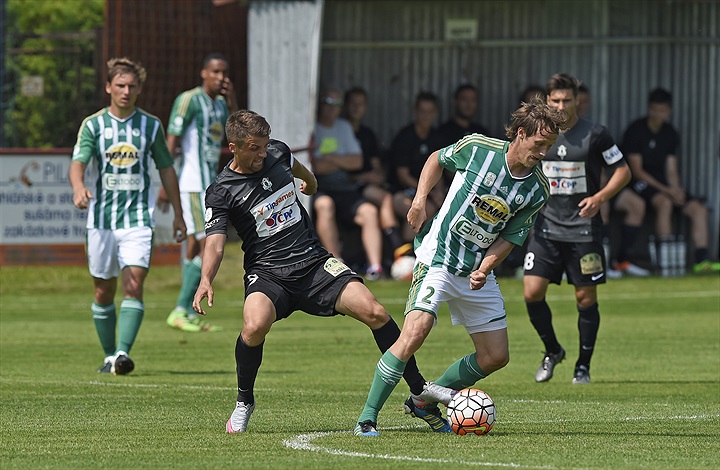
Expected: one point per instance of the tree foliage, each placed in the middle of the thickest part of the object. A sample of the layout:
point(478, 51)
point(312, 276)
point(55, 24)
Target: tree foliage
point(55, 40)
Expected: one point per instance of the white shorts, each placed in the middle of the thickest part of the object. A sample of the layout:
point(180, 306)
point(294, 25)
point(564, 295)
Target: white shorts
point(477, 310)
point(110, 251)
point(193, 209)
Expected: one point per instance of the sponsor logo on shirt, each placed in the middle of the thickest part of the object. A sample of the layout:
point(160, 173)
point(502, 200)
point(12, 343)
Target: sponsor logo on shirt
point(122, 155)
point(122, 182)
point(612, 155)
point(277, 212)
point(216, 132)
point(473, 233)
point(565, 177)
point(490, 208)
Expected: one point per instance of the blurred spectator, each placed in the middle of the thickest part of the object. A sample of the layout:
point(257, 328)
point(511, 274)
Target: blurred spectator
point(372, 177)
point(651, 144)
point(461, 122)
point(531, 91)
point(409, 151)
point(339, 198)
point(583, 101)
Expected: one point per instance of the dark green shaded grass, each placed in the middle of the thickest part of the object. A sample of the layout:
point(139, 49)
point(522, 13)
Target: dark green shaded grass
point(654, 400)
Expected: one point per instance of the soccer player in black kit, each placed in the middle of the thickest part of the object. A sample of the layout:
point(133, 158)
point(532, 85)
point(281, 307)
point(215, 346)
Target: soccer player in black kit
point(286, 267)
point(567, 234)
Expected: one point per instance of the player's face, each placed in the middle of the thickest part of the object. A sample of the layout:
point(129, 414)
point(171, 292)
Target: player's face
point(249, 157)
point(534, 148)
point(123, 90)
point(356, 106)
point(466, 104)
point(214, 76)
point(564, 100)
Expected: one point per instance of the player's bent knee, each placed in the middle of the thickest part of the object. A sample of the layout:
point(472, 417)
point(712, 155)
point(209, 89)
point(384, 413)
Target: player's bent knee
point(375, 316)
point(494, 360)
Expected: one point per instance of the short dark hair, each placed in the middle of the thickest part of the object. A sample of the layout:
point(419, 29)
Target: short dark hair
point(661, 96)
point(562, 81)
point(245, 123)
point(463, 87)
point(356, 90)
point(213, 56)
point(536, 117)
point(427, 96)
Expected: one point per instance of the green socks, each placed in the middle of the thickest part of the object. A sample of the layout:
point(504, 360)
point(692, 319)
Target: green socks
point(190, 282)
point(388, 372)
point(131, 316)
point(105, 319)
point(462, 373)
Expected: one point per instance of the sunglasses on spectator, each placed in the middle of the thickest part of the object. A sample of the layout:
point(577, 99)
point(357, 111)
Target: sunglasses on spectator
point(332, 101)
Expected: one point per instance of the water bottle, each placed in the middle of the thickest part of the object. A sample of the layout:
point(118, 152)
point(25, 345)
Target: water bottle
point(665, 261)
point(681, 256)
point(652, 249)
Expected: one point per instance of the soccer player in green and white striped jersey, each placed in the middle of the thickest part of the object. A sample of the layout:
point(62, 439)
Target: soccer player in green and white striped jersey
point(197, 126)
point(117, 145)
point(490, 207)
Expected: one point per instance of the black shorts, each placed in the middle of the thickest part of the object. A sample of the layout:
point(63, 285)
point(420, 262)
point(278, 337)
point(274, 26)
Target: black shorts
point(647, 192)
point(643, 190)
point(346, 204)
point(584, 262)
point(312, 286)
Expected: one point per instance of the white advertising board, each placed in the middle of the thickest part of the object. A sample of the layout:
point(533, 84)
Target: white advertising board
point(36, 203)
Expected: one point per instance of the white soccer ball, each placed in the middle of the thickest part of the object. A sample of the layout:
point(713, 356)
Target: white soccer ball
point(471, 411)
point(402, 268)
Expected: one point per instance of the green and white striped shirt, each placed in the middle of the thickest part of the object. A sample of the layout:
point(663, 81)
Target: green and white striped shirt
point(117, 153)
point(200, 121)
point(484, 201)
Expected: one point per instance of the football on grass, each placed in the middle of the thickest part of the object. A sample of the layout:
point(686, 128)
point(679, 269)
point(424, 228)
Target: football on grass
point(402, 268)
point(471, 411)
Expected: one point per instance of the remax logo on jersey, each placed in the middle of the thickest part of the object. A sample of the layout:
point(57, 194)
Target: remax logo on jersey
point(122, 155)
point(216, 132)
point(490, 208)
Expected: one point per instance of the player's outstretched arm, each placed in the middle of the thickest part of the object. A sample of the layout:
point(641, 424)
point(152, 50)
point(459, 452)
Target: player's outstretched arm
point(309, 182)
point(212, 257)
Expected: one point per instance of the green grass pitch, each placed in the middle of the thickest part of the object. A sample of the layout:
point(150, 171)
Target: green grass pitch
point(654, 400)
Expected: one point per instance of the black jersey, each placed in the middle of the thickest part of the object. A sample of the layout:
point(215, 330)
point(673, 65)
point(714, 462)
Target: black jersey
point(411, 151)
point(653, 147)
point(263, 207)
point(573, 166)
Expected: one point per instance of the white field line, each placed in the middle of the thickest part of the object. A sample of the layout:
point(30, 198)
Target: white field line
point(304, 442)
